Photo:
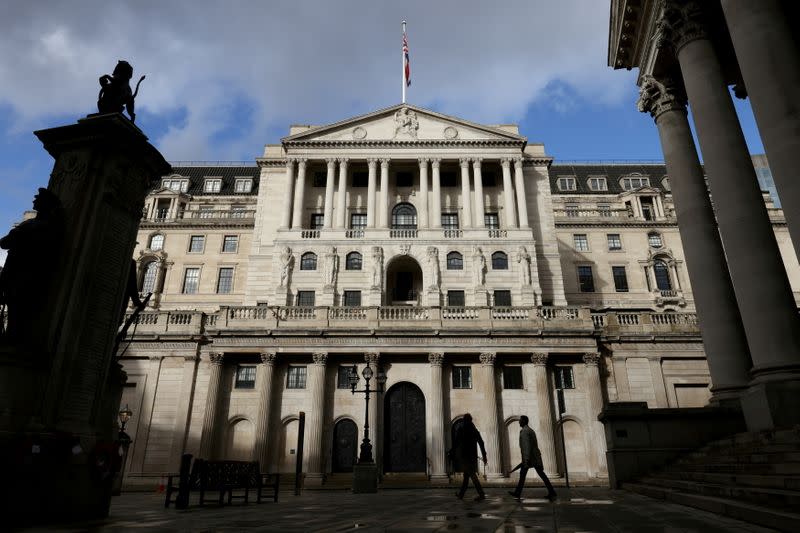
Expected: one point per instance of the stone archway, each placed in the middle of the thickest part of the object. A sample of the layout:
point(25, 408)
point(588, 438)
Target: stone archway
point(404, 429)
point(345, 446)
point(403, 281)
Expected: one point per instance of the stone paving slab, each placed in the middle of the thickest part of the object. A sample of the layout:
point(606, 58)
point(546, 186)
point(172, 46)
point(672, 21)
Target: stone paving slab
point(428, 510)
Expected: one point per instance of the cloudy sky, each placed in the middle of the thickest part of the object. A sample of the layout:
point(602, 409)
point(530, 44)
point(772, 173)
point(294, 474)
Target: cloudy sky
point(224, 78)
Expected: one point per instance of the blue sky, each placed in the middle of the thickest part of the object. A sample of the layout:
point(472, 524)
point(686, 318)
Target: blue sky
point(225, 78)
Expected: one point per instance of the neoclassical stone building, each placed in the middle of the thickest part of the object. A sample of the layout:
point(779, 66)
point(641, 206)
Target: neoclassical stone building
point(458, 258)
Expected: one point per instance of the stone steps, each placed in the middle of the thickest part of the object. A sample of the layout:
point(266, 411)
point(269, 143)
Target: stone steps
point(787, 469)
point(768, 496)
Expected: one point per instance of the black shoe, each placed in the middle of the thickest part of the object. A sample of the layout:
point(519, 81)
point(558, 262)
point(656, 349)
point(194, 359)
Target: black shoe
point(459, 496)
point(515, 495)
point(479, 497)
point(552, 496)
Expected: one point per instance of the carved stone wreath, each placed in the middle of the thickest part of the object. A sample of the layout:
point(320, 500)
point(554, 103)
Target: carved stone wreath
point(450, 132)
point(359, 133)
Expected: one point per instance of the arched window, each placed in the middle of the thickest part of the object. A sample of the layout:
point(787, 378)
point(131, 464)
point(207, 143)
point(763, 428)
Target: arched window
point(156, 242)
point(149, 276)
point(308, 261)
point(404, 216)
point(661, 271)
point(455, 261)
point(499, 261)
point(353, 261)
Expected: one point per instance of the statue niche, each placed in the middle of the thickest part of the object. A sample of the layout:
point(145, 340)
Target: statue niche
point(115, 91)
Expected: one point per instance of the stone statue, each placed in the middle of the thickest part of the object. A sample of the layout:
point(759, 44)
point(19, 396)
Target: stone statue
point(433, 261)
point(524, 260)
point(406, 122)
point(32, 249)
point(115, 91)
point(331, 266)
point(377, 266)
point(286, 265)
point(479, 264)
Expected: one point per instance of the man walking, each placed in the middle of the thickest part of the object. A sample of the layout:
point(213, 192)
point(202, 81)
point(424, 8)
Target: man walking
point(531, 458)
point(465, 449)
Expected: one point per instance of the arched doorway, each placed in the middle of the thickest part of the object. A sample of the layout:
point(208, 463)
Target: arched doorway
point(403, 281)
point(239, 446)
point(404, 429)
point(345, 444)
point(454, 429)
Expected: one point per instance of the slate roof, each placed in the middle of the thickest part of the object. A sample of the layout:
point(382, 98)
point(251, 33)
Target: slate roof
point(612, 172)
point(228, 173)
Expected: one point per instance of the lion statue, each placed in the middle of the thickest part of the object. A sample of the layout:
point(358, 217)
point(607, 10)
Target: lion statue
point(115, 91)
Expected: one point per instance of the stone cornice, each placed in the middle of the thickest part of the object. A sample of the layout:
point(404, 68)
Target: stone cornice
point(280, 162)
point(393, 143)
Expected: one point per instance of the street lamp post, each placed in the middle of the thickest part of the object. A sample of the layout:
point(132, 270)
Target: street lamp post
point(124, 440)
point(365, 473)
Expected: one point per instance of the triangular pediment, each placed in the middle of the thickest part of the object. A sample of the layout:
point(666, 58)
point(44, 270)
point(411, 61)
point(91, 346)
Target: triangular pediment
point(404, 122)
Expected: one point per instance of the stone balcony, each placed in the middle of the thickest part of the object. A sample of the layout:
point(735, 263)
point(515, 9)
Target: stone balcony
point(201, 217)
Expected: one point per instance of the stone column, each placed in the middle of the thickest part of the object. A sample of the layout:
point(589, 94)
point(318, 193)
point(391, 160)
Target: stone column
point(372, 359)
point(139, 445)
point(768, 310)
point(372, 163)
point(508, 195)
point(286, 219)
point(543, 414)
point(436, 450)
point(384, 218)
point(315, 419)
point(423, 193)
point(436, 211)
point(480, 210)
point(723, 334)
point(769, 58)
point(180, 428)
point(341, 198)
point(208, 439)
point(491, 436)
point(522, 200)
point(330, 185)
point(466, 214)
point(264, 373)
point(299, 194)
point(594, 394)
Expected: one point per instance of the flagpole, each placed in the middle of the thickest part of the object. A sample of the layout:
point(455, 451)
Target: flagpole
point(403, 64)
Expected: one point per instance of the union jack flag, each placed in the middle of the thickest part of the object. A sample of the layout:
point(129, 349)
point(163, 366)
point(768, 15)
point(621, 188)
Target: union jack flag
point(408, 62)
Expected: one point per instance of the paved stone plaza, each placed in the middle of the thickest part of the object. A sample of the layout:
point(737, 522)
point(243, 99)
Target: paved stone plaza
point(581, 509)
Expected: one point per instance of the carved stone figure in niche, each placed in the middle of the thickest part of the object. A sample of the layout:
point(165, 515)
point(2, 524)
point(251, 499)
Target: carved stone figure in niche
point(524, 260)
point(377, 266)
point(115, 91)
point(32, 247)
point(286, 265)
point(331, 266)
point(406, 122)
point(479, 264)
point(433, 261)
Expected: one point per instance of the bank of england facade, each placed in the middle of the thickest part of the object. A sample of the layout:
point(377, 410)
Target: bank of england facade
point(460, 259)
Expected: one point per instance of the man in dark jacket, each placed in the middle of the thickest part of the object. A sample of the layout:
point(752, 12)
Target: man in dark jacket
point(465, 449)
point(531, 458)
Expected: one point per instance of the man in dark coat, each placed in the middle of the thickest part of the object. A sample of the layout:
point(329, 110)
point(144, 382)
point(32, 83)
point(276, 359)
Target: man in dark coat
point(531, 458)
point(465, 447)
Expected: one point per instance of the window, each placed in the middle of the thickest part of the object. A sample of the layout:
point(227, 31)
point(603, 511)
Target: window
point(585, 278)
point(353, 261)
point(499, 261)
point(449, 221)
point(634, 183)
point(352, 298)
point(308, 261)
point(455, 298)
point(648, 211)
point(191, 280)
point(614, 242)
point(455, 261)
point(620, 278)
point(230, 243)
point(571, 210)
point(237, 211)
point(566, 184)
point(343, 377)
point(665, 184)
point(491, 221)
point(177, 185)
point(489, 179)
point(319, 179)
point(512, 377)
point(598, 184)
point(305, 298)
point(358, 220)
point(206, 211)
point(581, 242)
point(448, 179)
point(243, 185)
point(462, 377)
point(563, 377)
point(654, 240)
point(245, 377)
point(502, 298)
point(156, 242)
point(225, 280)
point(604, 210)
point(212, 185)
point(296, 377)
point(360, 179)
point(661, 271)
point(197, 243)
point(149, 275)
point(404, 216)
point(317, 221)
point(404, 179)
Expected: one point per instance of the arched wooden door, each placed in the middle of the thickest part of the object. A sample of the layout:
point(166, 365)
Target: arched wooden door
point(404, 423)
point(345, 444)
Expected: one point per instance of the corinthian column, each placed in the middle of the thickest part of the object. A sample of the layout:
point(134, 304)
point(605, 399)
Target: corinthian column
point(436, 211)
point(522, 200)
point(384, 203)
point(543, 414)
point(264, 373)
point(508, 194)
point(316, 418)
point(286, 219)
point(423, 193)
point(492, 435)
point(595, 397)
point(436, 417)
point(330, 185)
point(341, 199)
point(299, 194)
point(373, 165)
point(480, 210)
point(465, 197)
point(208, 436)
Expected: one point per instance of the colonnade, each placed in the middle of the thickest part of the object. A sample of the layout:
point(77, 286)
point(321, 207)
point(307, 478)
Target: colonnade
point(429, 204)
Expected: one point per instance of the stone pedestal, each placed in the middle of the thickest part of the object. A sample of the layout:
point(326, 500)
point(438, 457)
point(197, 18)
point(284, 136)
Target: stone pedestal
point(365, 478)
point(327, 296)
point(281, 296)
point(56, 415)
point(374, 298)
point(528, 296)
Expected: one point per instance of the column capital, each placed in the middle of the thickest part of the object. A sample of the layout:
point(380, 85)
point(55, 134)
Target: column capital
point(301, 161)
point(476, 162)
point(518, 163)
point(681, 23)
point(216, 358)
point(464, 162)
point(488, 358)
point(331, 162)
point(436, 358)
point(436, 162)
point(372, 358)
point(269, 358)
point(659, 96)
point(343, 160)
point(506, 162)
point(385, 161)
point(539, 358)
point(320, 358)
point(372, 162)
point(591, 358)
point(423, 160)
point(290, 160)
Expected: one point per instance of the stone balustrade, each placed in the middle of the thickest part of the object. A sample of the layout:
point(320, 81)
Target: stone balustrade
point(434, 235)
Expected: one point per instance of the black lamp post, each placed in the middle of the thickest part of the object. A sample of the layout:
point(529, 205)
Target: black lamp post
point(124, 440)
point(366, 447)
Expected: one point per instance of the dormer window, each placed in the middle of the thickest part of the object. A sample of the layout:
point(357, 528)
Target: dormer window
point(177, 185)
point(597, 184)
point(242, 185)
point(212, 185)
point(566, 184)
point(634, 182)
